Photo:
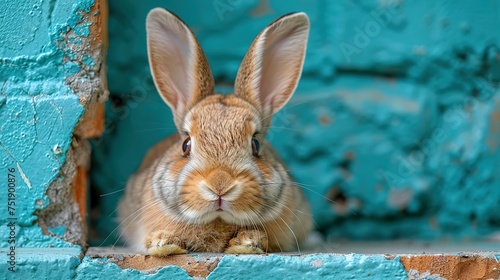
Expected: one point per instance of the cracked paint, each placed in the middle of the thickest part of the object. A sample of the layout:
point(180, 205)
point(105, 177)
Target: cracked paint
point(102, 268)
point(38, 110)
point(36, 146)
point(311, 266)
point(23, 175)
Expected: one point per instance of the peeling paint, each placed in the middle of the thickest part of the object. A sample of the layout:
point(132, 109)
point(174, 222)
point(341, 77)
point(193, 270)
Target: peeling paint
point(58, 231)
point(311, 266)
point(38, 110)
point(102, 268)
point(288, 267)
point(31, 144)
point(23, 175)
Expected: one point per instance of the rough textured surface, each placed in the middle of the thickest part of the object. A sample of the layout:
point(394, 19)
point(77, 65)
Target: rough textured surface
point(311, 266)
point(103, 269)
point(391, 262)
point(60, 263)
point(452, 267)
point(398, 110)
point(194, 265)
point(51, 56)
point(61, 218)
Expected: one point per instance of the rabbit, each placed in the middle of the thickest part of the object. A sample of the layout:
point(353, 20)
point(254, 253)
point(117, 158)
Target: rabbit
point(217, 185)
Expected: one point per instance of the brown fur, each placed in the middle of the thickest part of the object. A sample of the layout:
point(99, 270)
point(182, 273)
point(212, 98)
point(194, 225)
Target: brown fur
point(215, 237)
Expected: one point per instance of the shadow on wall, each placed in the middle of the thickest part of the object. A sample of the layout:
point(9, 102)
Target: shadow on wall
point(395, 124)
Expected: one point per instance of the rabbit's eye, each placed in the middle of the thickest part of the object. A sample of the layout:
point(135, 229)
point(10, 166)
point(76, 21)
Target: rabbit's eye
point(186, 146)
point(255, 146)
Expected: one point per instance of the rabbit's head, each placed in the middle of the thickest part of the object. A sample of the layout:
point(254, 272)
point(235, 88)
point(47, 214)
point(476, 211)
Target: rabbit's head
point(221, 166)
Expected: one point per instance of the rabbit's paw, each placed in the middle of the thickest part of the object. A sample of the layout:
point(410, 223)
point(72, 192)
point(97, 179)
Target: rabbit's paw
point(248, 242)
point(161, 244)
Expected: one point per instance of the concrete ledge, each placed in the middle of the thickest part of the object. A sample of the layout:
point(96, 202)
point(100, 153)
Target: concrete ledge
point(394, 260)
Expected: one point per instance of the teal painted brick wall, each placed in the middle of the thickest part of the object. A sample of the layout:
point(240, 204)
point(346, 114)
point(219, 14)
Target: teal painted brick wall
point(396, 118)
point(46, 68)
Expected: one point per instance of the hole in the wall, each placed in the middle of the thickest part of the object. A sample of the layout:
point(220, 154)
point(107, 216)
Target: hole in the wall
point(347, 160)
point(345, 164)
point(476, 92)
point(337, 200)
point(462, 56)
point(404, 211)
point(473, 219)
point(442, 108)
point(337, 196)
point(117, 101)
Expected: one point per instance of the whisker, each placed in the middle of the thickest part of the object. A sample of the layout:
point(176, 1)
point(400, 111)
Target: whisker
point(293, 212)
point(308, 187)
point(136, 213)
point(260, 219)
point(111, 193)
point(122, 230)
point(293, 233)
point(152, 129)
point(287, 107)
point(283, 127)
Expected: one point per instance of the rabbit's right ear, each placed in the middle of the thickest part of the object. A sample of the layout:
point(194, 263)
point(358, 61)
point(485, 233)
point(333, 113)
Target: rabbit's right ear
point(179, 67)
point(272, 66)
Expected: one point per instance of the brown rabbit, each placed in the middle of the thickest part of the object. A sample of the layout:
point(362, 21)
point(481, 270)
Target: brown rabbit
point(217, 185)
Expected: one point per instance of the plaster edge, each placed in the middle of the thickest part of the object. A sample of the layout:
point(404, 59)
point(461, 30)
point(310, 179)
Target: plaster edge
point(89, 83)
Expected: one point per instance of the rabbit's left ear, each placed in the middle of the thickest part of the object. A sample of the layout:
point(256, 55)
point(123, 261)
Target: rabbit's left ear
point(272, 66)
point(179, 67)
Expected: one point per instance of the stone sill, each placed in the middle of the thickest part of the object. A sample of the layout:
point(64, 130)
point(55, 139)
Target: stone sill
point(389, 260)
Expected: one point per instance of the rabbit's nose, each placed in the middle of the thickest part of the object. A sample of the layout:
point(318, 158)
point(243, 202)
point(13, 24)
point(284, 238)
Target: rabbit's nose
point(220, 182)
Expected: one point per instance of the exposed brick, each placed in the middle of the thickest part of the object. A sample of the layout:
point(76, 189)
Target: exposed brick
point(470, 267)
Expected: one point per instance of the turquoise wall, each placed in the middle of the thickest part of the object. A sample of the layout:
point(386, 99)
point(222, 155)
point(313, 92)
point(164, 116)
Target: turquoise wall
point(396, 118)
point(38, 111)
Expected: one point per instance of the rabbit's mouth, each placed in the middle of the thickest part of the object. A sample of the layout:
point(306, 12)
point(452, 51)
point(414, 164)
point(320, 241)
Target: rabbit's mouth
point(217, 214)
point(220, 203)
point(224, 214)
